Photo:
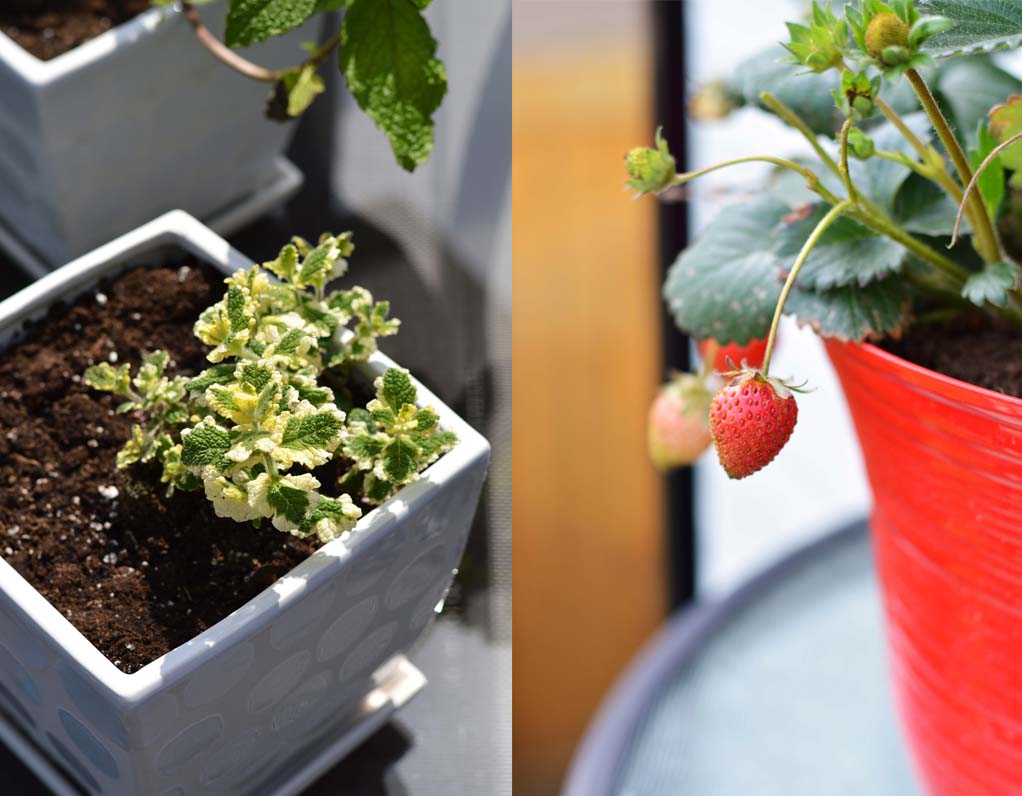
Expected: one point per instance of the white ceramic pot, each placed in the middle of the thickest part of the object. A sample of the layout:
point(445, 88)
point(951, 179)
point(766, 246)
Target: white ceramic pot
point(136, 122)
point(236, 706)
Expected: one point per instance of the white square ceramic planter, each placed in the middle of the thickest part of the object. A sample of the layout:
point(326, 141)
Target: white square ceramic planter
point(136, 122)
point(232, 708)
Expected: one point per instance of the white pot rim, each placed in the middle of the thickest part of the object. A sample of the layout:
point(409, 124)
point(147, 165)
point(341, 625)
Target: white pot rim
point(180, 229)
point(38, 72)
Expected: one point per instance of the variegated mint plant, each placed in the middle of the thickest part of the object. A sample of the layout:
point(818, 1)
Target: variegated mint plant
point(903, 209)
point(253, 429)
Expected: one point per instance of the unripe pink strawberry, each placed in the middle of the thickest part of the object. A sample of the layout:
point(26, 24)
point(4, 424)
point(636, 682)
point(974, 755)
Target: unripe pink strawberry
point(678, 430)
point(751, 419)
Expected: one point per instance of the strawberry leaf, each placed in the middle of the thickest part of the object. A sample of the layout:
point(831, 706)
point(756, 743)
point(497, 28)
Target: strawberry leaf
point(922, 207)
point(992, 284)
point(847, 253)
point(977, 25)
point(853, 312)
point(726, 284)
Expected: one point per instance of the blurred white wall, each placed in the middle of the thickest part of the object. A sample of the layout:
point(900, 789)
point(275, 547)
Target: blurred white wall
point(817, 483)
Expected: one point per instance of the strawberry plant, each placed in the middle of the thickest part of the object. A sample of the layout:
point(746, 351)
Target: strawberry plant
point(387, 56)
point(902, 215)
point(256, 429)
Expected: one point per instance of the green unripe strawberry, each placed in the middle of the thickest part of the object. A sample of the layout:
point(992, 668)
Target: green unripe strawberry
point(678, 425)
point(751, 419)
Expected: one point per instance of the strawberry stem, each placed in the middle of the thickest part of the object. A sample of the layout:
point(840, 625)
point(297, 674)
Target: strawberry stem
point(832, 215)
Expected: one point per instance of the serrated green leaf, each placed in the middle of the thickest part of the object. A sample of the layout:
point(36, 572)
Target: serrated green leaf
point(319, 263)
point(396, 389)
point(206, 444)
point(365, 446)
point(256, 375)
point(977, 25)
point(922, 207)
point(236, 309)
point(218, 374)
point(399, 460)
point(852, 312)
point(434, 444)
point(388, 59)
point(251, 21)
point(992, 284)
point(726, 284)
point(847, 253)
point(311, 431)
point(288, 502)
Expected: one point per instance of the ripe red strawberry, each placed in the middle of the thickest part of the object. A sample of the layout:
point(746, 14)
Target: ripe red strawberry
point(751, 419)
point(678, 428)
point(728, 356)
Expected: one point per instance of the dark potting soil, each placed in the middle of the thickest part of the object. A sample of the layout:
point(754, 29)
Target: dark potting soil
point(968, 349)
point(48, 28)
point(137, 573)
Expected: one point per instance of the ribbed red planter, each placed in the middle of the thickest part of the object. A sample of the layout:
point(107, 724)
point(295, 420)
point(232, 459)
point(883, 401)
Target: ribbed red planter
point(945, 463)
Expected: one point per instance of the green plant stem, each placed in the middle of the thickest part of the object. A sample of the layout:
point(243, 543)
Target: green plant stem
point(984, 236)
point(846, 175)
point(811, 178)
point(796, 121)
point(952, 188)
point(832, 215)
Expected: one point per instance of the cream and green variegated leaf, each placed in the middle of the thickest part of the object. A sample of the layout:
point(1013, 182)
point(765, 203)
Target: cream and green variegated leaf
point(253, 426)
point(392, 440)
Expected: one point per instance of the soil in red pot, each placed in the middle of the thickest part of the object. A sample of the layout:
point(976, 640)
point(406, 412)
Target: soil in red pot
point(48, 28)
point(968, 349)
point(136, 572)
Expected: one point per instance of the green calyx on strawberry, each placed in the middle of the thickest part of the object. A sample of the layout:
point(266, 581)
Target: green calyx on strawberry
point(678, 426)
point(751, 419)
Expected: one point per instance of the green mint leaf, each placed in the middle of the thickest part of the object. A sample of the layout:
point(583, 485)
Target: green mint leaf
point(218, 374)
point(434, 444)
point(256, 375)
point(396, 389)
point(251, 21)
point(388, 59)
point(288, 502)
point(853, 312)
point(206, 444)
point(847, 253)
point(311, 431)
point(726, 284)
point(365, 446)
point(399, 460)
point(992, 284)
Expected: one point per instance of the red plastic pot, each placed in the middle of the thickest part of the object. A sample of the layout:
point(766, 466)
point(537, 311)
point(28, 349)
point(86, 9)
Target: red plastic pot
point(945, 463)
